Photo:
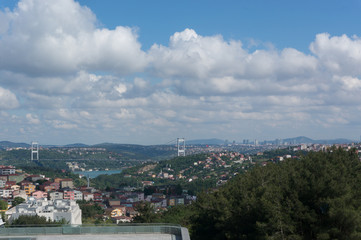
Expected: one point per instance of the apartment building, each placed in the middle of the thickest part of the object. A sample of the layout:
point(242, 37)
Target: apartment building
point(54, 210)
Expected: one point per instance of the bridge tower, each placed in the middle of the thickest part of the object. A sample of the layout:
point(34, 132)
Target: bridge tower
point(181, 145)
point(34, 151)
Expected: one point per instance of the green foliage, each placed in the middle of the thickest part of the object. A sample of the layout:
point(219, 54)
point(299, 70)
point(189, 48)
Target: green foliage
point(146, 213)
point(90, 209)
point(180, 214)
point(35, 220)
point(17, 201)
point(3, 205)
point(317, 197)
point(115, 181)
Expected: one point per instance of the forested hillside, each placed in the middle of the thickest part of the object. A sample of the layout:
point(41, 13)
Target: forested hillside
point(317, 197)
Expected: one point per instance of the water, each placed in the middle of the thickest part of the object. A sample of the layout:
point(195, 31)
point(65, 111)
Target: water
point(94, 174)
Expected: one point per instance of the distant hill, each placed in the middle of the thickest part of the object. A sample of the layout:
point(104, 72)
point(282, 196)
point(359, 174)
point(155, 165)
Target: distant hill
point(76, 145)
point(212, 141)
point(298, 140)
point(7, 144)
point(306, 140)
point(134, 151)
point(164, 151)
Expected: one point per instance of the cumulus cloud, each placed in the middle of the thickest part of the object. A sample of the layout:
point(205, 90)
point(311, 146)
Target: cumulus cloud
point(59, 37)
point(64, 74)
point(8, 99)
point(191, 55)
point(197, 65)
point(32, 119)
point(338, 54)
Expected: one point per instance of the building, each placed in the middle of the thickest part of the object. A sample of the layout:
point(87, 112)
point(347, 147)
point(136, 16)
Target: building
point(117, 212)
point(6, 193)
point(66, 183)
point(50, 186)
point(68, 194)
point(19, 193)
point(39, 194)
point(88, 196)
point(2, 183)
point(29, 189)
point(7, 170)
point(53, 195)
point(54, 210)
point(78, 195)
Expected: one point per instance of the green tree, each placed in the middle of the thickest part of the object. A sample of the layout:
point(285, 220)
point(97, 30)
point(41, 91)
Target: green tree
point(17, 201)
point(3, 205)
point(90, 209)
point(317, 197)
point(35, 220)
point(146, 213)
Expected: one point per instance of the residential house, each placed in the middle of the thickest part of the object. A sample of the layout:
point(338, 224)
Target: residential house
point(66, 183)
point(159, 203)
point(53, 195)
point(88, 196)
point(7, 170)
point(68, 194)
point(15, 187)
point(29, 189)
point(78, 195)
point(50, 186)
point(6, 193)
point(118, 211)
point(19, 193)
point(2, 183)
point(39, 194)
point(54, 210)
point(24, 183)
point(98, 197)
point(113, 202)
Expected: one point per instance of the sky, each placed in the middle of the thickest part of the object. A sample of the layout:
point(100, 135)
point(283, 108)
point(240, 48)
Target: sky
point(148, 72)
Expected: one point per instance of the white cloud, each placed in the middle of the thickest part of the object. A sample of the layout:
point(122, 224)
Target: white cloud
point(63, 125)
point(64, 75)
point(57, 37)
point(8, 99)
point(33, 119)
point(339, 54)
point(121, 88)
point(191, 55)
point(199, 65)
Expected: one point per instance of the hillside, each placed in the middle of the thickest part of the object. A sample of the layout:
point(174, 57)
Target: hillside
point(317, 197)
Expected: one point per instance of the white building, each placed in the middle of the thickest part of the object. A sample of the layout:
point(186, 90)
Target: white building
point(7, 170)
point(6, 193)
point(54, 210)
point(78, 195)
point(55, 195)
point(2, 183)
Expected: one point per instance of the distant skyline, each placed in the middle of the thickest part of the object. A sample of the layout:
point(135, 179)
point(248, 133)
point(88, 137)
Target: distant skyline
point(147, 72)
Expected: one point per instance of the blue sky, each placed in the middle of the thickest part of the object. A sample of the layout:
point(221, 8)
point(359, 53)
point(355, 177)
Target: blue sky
point(148, 72)
point(282, 23)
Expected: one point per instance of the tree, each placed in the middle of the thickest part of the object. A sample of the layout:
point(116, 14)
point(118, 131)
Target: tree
point(3, 205)
point(89, 209)
point(146, 213)
point(17, 201)
point(317, 197)
point(35, 220)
